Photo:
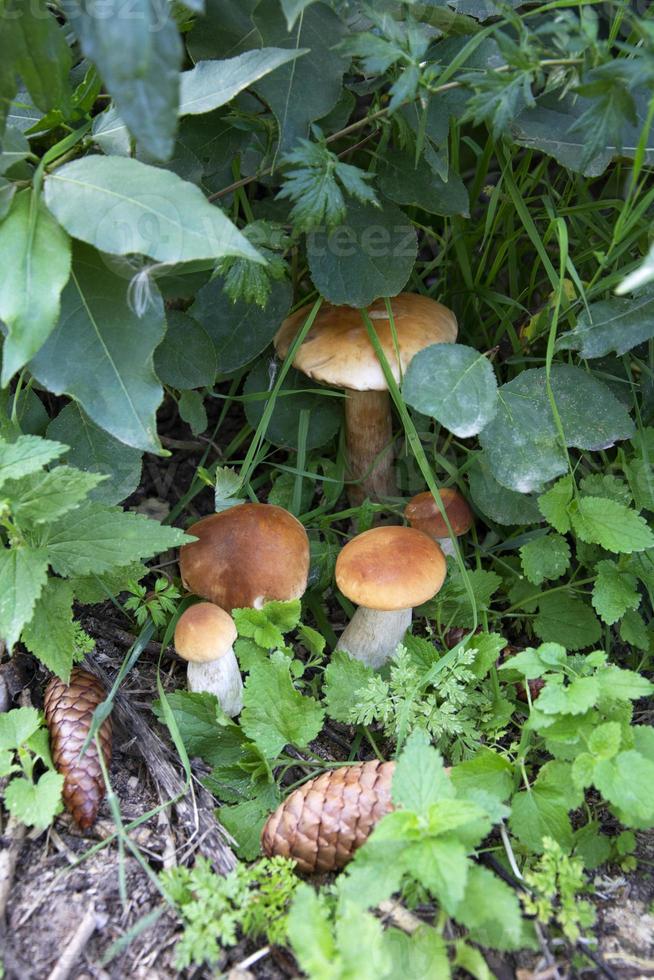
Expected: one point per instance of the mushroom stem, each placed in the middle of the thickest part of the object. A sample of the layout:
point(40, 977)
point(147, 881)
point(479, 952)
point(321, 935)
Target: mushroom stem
point(445, 545)
point(369, 433)
point(373, 635)
point(221, 677)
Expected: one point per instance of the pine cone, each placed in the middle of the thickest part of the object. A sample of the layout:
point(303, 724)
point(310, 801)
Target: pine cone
point(68, 713)
point(321, 824)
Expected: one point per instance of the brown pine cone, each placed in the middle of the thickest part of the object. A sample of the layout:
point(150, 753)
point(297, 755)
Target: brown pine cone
point(321, 824)
point(68, 713)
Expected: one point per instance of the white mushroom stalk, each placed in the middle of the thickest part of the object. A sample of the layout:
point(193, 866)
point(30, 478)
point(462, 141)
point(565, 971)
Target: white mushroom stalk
point(221, 677)
point(204, 637)
point(373, 635)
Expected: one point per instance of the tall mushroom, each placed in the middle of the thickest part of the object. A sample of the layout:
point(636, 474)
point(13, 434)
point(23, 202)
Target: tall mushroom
point(386, 571)
point(337, 351)
point(422, 513)
point(204, 636)
point(246, 556)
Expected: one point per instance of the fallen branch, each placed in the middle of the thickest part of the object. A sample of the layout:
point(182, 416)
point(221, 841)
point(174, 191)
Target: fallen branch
point(76, 945)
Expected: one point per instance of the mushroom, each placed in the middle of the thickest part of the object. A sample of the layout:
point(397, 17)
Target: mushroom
point(204, 636)
point(337, 351)
point(246, 556)
point(422, 513)
point(386, 571)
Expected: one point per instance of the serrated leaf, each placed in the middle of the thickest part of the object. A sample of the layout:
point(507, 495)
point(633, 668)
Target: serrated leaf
point(210, 84)
point(35, 804)
point(605, 740)
point(487, 899)
point(96, 538)
point(553, 504)
point(487, 771)
point(626, 782)
point(567, 620)
point(36, 268)
point(575, 698)
point(615, 591)
point(615, 527)
point(536, 814)
point(545, 558)
point(419, 779)
point(611, 325)
point(17, 726)
point(606, 485)
point(50, 634)
point(455, 384)
point(618, 684)
point(344, 677)
point(633, 631)
point(245, 821)
point(192, 411)
point(23, 573)
point(121, 206)
point(43, 497)
point(27, 455)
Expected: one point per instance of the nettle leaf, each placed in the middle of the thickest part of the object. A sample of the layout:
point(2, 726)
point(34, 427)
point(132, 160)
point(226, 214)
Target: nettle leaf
point(37, 46)
point(419, 779)
point(96, 538)
point(606, 485)
point(137, 49)
point(27, 455)
point(211, 84)
point(407, 182)
point(101, 351)
point(369, 256)
point(95, 451)
point(344, 678)
point(452, 605)
point(522, 441)
point(239, 330)
point(500, 504)
point(553, 504)
point(43, 497)
point(186, 358)
point(35, 804)
point(245, 820)
point(454, 383)
point(545, 558)
point(17, 726)
point(540, 813)
point(615, 591)
point(23, 573)
point(51, 633)
point(123, 206)
point(36, 262)
point(626, 782)
point(612, 325)
point(634, 632)
point(567, 620)
point(491, 910)
point(615, 527)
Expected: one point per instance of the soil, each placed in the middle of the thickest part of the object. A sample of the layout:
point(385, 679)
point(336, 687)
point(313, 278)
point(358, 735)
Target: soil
point(64, 878)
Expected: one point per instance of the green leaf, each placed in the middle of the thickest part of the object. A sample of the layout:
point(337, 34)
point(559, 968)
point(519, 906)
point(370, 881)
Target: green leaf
point(36, 269)
point(406, 182)
point(17, 726)
point(626, 782)
point(7, 192)
point(344, 678)
point(605, 740)
point(489, 901)
point(618, 684)
point(95, 451)
point(452, 604)
point(274, 713)
point(114, 381)
point(615, 591)
point(245, 821)
point(371, 255)
point(442, 867)
point(239, 331)
point(497, 502)
point(38, 49)
point(611, 325)
point(487, 771)
point(454, 383)
point(545, 558)
point(138, 52)
point(567, 620)
point(96, 538)
point(419, 778)
point(51, 634)
point(268, 625)
point(192, 411)
point(15, 147)
point(35, 804)
point(186, 357)
point(310, 934)
point(43, 497)
point(23, 573)
point(522, 440)
point(110, 133)
point(421, 954)
point(633, 631)
point(26, 455)
point(606, 485)
point(553, 504)
point(205, 730)
point(615, 527)
point(211, 84)
point(575, 698)
point(536, 814)
point(122, 206)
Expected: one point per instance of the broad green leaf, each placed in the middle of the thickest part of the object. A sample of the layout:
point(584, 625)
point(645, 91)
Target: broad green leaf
point(101, 352)
point(606, 485)
point(419, 955)
point(274, 713)
point(137, 49)
point(50, 634)
point(370, 255)
point(123, 206)
point(111, 134)
point(239, 331)
point(419, 779)
point(23, 573)
point(36, 262)
point(615, 527)
point(211, 84)
point(357, 930)
point(615, 591)
point(536, 814)
point(567, 620)
point(626, 782)
point(310, 933)
point(45, 496)
point(15, 148)
point(544, 558)
point(27, 455)
point(344, 677)
point(634, 632)
point(35, 804)
point(95, 451)
point(186, 357)
point(17, 725)
point(605, 740)
point(441, 865)
point(500, 504)
point(7, 193)
point(575, 698)
point(488, 900)
point(487, 771)
point(205, 730)
point(292, 10)
point(454, 383)
point(36, 44)
point(452, 604)
point(611, 325)
point(409, 183)
point(244, 821)
point(522, 440)
point(96, 538)
point(553, 504)
point(618, 684)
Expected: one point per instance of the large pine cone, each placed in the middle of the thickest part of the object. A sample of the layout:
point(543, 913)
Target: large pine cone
point(69, 713)
point(321, 824)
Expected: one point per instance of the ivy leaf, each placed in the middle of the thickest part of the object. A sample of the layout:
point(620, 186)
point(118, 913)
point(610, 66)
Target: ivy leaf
point(344, 678)
point(43, 497)
point(35, 804)
point(615, 591)
point(26, 455)
point(553, 504)
point(274, 713)
point(455, 384)
point(567, 620)
point(23, 573)
point(51, 633)
point(545, 558)
point(615, 527)
point(36, 268)
point(611, 325)
point(210, 84)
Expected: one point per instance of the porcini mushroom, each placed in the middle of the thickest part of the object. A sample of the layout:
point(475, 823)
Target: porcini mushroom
point(245, 556)
point(386, 571)
point(337, 351)
point(422, 513)
point(204, 636)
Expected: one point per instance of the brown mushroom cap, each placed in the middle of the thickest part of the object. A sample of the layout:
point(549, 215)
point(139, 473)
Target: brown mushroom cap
point(422, 513)
point(390, 568)
point(246, 556)
point(204, 632)
point(337, 349)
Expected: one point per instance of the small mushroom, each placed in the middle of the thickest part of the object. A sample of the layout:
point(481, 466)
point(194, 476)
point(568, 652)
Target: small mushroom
point(386, 571)
point(247, 556)
point(204, 636)
point(337, 351)
point(422, 513)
